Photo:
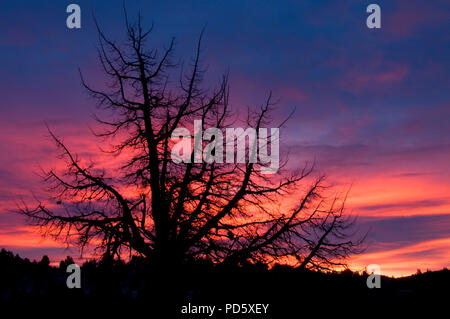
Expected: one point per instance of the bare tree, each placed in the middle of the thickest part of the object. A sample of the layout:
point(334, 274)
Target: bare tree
point(226, 213)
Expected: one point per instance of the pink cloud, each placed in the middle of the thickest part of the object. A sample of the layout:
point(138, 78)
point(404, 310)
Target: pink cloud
point(411, 16)
point(396, 74)
point(294, 93)
point(17, 36)
point(375, 75)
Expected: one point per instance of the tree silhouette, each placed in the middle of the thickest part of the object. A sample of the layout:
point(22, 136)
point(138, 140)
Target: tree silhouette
point(173, 212)
point(45, 261)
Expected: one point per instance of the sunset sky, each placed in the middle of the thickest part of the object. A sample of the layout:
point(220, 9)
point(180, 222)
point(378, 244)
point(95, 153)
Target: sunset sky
point(372, 106)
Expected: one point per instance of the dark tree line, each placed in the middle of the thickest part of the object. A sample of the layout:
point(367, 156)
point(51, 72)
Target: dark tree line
point(127, 286)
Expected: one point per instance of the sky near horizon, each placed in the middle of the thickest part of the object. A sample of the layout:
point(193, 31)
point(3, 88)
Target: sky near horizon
point(372, 107)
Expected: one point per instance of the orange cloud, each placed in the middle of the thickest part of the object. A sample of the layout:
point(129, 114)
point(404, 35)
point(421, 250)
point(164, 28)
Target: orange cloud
point(433, 255)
